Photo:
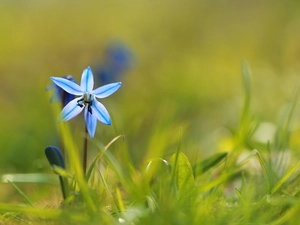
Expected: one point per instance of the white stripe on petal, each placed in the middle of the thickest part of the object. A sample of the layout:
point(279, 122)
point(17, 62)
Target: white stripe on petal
point(71, 110)
point(100, 112)
point(87, 80)
point(68, 86)
point(107, 90)
point(90, 122)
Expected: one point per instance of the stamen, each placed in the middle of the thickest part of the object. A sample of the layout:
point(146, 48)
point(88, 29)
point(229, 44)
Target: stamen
point(90, 109)
point(79, 103)
point(86, 100)
point(89, 101)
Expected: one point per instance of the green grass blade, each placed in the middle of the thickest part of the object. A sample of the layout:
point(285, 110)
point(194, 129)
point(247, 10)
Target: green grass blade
point(264, 168)
point(154, 165)
point(243, 184)
point(120, 200)
point(41, 178)
point(246, 73)
point(114, 205)
point(208, 163)
point(98, 156)
point(174, 167)
point(283, 133)
point(285, 177)
point(115, 166)
point(237, 191)
point(224, 177)
point(21, 193)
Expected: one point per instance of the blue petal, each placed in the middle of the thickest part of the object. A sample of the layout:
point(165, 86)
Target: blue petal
point(68, 86)
point(90, 121)
point(107, 90)
point(87, 80)
point(100, 112)
point(71, 110)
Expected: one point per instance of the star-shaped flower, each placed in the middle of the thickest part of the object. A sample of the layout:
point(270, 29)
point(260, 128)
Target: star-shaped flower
point(93, 110)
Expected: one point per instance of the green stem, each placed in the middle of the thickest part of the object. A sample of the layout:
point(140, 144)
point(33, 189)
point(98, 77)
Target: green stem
point(84, 159)
point(64, 188)
point(63, 96)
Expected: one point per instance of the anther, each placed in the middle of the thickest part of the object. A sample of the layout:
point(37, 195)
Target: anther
point(90, 109)
point(79, 103)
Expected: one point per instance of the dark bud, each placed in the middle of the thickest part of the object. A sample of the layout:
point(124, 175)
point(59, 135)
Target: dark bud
point(54, 156)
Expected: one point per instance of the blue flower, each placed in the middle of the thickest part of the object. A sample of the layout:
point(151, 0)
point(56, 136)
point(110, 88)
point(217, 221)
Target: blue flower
point(60, 94)
point(93, 110)
point(117, 60)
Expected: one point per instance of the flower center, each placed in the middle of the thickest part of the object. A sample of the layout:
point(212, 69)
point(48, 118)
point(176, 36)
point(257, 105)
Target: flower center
point(86, 100)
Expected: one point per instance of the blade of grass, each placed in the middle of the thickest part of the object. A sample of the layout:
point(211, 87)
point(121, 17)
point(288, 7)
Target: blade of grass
point(242, 200)
point(21, 193)
point(246, 73)
point(285, 177)
point(243, 188)
point(208, 163)
point(29, 178)
point(115, 166)
point(109, 194)
point(283, 134)
point(98, 156)
point(153, 166)
point(286, 217)
point(120, 201)
point(243, 128)
point(224, 177)
point(264, 168)
point(131, 170)
point(174, 168)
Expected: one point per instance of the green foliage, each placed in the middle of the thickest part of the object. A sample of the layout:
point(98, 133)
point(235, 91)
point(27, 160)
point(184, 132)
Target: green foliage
point(209, 163)
point(184, 88)
point(182, 174)
point(170, 189)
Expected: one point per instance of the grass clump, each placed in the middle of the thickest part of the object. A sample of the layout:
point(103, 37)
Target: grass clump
point(254, 183)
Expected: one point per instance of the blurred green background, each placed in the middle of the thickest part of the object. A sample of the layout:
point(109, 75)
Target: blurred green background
point(185, 77)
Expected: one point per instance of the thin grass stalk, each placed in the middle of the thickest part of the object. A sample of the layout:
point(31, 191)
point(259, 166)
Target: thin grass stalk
point(85, 146)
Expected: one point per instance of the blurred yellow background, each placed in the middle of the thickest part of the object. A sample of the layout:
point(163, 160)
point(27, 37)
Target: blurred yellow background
point(186, 71)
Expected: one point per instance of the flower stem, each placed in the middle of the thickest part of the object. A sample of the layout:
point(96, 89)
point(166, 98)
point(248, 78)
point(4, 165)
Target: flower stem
point(84, 159)
point(63, 96)
point(63, 184)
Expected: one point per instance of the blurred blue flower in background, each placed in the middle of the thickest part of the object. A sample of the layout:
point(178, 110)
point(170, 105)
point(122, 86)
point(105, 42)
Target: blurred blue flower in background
point(118, 59)
point(61, 95)
point(93, 110)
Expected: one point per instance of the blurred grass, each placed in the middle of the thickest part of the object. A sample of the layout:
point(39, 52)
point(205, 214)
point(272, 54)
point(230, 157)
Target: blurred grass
point(186, 74)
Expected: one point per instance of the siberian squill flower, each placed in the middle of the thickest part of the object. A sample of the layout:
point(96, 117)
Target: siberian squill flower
point(93, 110)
